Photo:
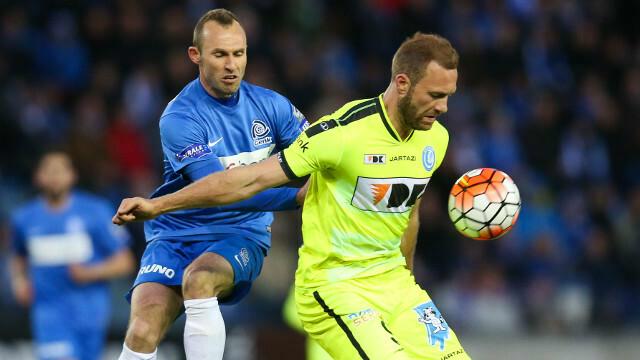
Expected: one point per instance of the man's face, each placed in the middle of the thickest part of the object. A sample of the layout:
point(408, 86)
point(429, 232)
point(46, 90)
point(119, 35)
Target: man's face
point(55, 175)
point(222, 58)
point(427, 99)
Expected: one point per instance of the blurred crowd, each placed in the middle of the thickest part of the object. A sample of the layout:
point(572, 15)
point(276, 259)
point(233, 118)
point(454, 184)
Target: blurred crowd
point(549, 92)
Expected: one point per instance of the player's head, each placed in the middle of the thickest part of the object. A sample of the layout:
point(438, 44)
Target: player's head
point(424, 71)
point(220, 51)
point(55, 174)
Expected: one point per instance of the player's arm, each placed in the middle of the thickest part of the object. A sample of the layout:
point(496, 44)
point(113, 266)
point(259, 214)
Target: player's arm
point(21, 285)
point(219, 188)
point(410, 236)
point(119, 264)
point(20, 280)
point(273, 199)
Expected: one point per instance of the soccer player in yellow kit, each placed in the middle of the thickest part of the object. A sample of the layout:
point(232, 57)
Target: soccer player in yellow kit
point(370, 162)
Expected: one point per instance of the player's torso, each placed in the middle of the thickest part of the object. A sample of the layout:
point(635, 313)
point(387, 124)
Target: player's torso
point(372, 192)
point(238, 134)
point(58, 238)
point(55, 239)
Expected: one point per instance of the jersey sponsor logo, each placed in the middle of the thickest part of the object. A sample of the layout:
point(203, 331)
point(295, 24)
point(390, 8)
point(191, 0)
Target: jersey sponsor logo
point(60, 249)
point(245, 158)
point(402, 158)
point(428, 158)
point(156, 268)
point(375, 159)
point(194, 151)
point(360, 317)
point(320, 127)
point(304, 145)
point(391, 195)
point(437, 327)
point(260, 132)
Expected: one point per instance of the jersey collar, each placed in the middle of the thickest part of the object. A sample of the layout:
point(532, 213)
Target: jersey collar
point(382, 111)
point(229, 102)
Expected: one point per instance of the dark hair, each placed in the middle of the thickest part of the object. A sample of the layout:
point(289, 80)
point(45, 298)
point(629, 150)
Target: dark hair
point(223, 17)
point(54, 150)
point(419, 50)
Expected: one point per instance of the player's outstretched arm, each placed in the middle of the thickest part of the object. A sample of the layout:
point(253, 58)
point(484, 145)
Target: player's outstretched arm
point(220, 188)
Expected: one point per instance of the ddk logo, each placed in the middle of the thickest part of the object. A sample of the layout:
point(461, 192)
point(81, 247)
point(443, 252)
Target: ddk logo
point(375, 159)
point(437, 328)
point(260, 133)
point(395, 195)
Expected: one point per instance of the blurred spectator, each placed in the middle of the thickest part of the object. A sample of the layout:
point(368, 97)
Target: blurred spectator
point(64, 250)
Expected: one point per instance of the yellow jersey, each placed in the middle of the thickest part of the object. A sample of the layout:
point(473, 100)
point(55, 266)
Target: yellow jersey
point(364, 181)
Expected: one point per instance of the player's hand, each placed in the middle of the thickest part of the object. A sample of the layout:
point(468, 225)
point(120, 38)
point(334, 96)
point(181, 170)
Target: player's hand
point(23, 292)
point(80, 274)
point(135, 209)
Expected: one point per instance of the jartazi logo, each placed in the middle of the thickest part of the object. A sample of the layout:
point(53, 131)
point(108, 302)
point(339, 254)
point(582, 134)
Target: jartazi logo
point(155, 268)
point(393, 195)
point(375, 159)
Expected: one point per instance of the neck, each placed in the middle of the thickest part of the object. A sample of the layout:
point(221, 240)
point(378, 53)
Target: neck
point(57, 201)
point(223, 98)
point(391, 99)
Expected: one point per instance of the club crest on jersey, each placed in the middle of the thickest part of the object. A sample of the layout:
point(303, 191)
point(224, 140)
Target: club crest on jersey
point(260, 132)
point(194, 151)
point(437, 327)
point(391, 195)
point(428, 158)
point(375, 159)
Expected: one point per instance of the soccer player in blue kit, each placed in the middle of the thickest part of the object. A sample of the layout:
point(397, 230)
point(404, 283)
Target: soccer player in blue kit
point(200, 258)
point(64, 248)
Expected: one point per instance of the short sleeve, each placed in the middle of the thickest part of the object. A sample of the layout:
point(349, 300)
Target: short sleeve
point(184, 142)
point(290, 121)
point(318, 148)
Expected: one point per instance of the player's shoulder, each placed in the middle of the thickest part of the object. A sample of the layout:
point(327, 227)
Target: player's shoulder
point(26, 210)
point(264, 96)
point(184, 104)
point(355, 110)
point(440, 129)
point(260, 91)
point(345, 115)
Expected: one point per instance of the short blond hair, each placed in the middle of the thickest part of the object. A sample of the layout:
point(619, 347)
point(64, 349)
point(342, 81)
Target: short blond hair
point(418, 51)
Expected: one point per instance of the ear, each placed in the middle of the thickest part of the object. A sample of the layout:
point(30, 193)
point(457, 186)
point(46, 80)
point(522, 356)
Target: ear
point(403, 84)
point(194, 54)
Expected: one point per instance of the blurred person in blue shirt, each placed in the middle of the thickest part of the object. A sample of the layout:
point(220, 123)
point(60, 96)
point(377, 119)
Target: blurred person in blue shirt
point(201, 258)
point(64, 251)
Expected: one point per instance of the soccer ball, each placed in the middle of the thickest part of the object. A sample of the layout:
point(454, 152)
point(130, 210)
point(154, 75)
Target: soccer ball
point(484, 204)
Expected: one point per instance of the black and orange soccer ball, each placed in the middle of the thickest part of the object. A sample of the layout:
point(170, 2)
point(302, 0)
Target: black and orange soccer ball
point(484, 204)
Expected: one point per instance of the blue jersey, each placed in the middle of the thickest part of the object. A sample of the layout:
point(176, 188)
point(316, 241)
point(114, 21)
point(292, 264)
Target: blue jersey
point(52, 239)
point(201, 134)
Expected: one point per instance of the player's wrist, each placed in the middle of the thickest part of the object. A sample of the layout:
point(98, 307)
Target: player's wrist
point(159, 206)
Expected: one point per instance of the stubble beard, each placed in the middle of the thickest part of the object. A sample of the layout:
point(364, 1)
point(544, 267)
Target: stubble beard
point(407, 111)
